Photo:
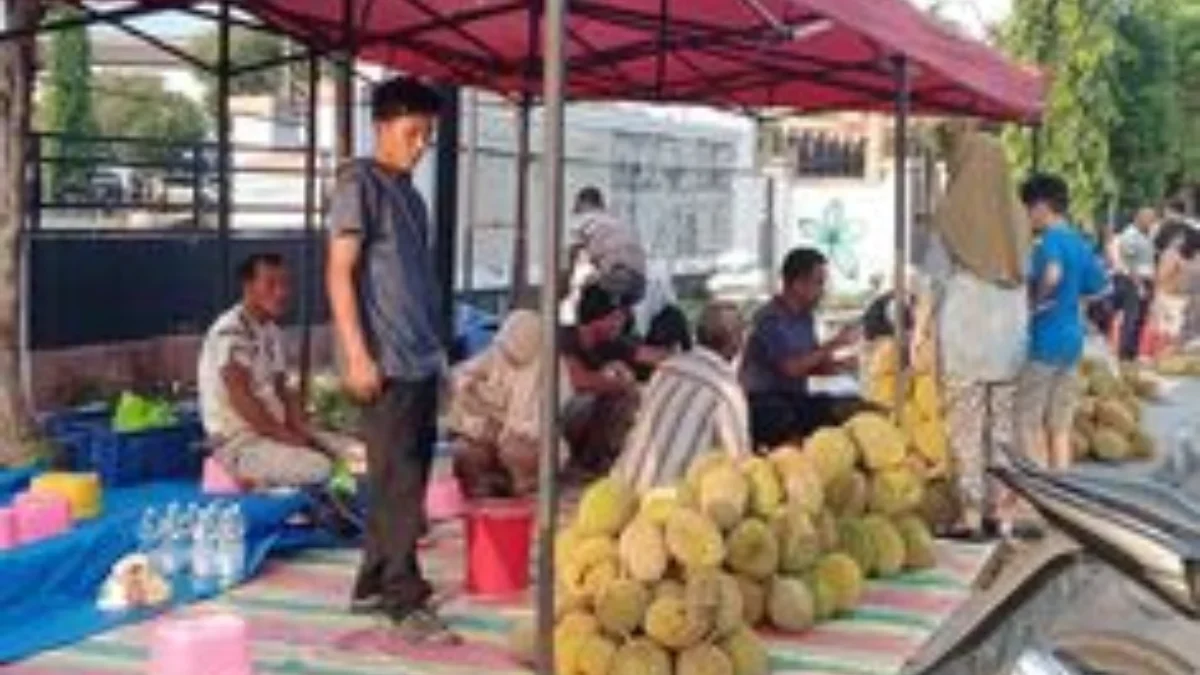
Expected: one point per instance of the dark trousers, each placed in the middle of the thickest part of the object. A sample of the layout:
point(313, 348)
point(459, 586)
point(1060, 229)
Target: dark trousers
point(1133, 307)
point(776, 419)
point(400, 430)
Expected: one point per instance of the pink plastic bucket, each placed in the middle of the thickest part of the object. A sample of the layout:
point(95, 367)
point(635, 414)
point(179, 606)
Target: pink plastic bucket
point(444, 499)
point(41, 516)
point(498, 536)
point(212, 644)
point(216, 479)
point(9, 537)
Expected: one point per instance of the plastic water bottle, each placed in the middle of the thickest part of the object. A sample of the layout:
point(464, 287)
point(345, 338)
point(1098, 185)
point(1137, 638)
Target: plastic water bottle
point(168, 555)
point(203, 558)
point(231, 545)
point(149, 536)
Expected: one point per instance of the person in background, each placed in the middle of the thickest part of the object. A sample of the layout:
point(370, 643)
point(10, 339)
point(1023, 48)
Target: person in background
point(782, 353)
point(384, 300)
point(1164, 334)
point(1063, 273)
point(692, 405)
point(609, 247)
point(601, 364)
point(257, 425)
point(495, 411)
point(1132, 256)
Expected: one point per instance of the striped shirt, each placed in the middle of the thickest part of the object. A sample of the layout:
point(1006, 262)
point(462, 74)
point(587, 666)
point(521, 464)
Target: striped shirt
point(692, 405)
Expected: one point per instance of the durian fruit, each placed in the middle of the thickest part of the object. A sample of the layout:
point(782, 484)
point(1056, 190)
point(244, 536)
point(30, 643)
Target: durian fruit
point(790, 605)
point(827, 528)
point(925, 397)
point(643, 551)
point(804, 489)
point(565, 543)
point(1111, 446)
point(669, 588)
point(693, 540)
point(729, 613)
point(1141, 445)
point(1114, 415)
point(895, 491)
point(833, 451)
point(847, 494)
point(724, 495)
point(657, 504)
point(594, 655)
point(888, 545)
point(825, 599)
point(621, 605)
point(842, 574)
point(754, 600)
point(1081, 445)
point(940, 504)
point(880, 442)
point(799, 541)
point(700, 468)
point(641, 656)
point(586, 567)
point(605, 507)
point(752, 549)
point(766, 490)
point(569, 637)
point(670, 623)
point(929, 439)
point(919, 548)
point(856, 541)
point(747, 652)
point(703, 659)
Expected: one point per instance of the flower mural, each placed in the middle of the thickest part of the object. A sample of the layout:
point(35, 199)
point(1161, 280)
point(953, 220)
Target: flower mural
point(835, 235)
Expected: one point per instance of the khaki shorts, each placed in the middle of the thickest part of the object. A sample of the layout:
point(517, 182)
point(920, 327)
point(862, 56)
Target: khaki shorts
point(1047, 397)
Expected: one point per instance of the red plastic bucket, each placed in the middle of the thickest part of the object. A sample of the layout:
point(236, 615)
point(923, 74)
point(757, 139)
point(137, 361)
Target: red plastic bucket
point(499, 532)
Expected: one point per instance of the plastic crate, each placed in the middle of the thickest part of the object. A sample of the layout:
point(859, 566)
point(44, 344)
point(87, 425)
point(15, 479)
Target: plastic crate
point(90, 444)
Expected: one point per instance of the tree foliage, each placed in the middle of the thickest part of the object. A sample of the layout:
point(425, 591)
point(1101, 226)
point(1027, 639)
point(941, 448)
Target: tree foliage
point(248, 47)
point(1185, 19)
point(68, 105)
point(139, 106)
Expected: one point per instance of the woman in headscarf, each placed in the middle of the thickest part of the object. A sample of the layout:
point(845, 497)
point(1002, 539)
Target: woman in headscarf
point(974, 260)
point(495, 411)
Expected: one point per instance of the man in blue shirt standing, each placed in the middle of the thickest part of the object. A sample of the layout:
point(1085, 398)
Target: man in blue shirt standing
point(384, 299)
point(1063, 273)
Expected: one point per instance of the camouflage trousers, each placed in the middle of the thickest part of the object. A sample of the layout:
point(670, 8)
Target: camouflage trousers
point(979, 420)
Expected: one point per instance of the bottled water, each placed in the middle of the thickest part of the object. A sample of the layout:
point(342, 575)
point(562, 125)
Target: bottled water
point(203, 553)
point(149, 536)
point(168, 551)
point(231, 545)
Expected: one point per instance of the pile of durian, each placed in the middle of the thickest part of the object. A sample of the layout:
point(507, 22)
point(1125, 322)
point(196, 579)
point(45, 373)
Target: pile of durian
point(674, 581)
point(1108, 422)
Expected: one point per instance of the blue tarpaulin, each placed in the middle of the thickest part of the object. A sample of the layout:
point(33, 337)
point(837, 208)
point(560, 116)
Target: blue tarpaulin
point(48, 596)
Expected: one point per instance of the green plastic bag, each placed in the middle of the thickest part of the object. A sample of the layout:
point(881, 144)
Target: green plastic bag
point(134, 413)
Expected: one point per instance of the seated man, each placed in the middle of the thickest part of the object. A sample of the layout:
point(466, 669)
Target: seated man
point(693, 405)
point(600, 363)
point(782, 353)
point(256, 424)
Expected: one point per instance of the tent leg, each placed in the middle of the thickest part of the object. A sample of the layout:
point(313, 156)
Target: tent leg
point(520, 254)
point(344, 91)
point(446, 204)
point(900, 284)
point(552, 191)
point(472, 182)
point(224, 156)
point(308, 269)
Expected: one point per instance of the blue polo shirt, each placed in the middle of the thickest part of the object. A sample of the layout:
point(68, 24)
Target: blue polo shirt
point(777, 334)
point(398, 294)
point(1056, 329)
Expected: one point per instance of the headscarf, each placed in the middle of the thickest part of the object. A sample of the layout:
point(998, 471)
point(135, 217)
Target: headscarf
point(980, 219)
point(497, 394)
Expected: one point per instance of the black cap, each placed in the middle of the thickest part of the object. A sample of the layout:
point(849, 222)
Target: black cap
point(595, 303)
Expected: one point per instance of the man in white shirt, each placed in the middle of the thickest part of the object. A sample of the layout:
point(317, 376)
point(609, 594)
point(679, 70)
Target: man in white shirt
point(1132, 257)
point(256, 424)
point(610, 247)
point(693, 405)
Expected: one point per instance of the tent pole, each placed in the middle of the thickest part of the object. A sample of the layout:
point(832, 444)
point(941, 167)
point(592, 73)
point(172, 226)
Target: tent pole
point(552, 190)
point(344, 102)
point(446, 204)
point(310, 204)
point(900, 283)
point(471, 179)
point(224, 158)
point(520, 254)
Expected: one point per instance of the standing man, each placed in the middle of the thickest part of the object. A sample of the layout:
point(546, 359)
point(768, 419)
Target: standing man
point(385, 303)
point(1063, 272)
point(1132, 257)
point(783, 352)
point(611, 248)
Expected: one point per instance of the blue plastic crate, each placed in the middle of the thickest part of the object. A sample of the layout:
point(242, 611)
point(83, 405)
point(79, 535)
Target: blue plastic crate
point(90, 444)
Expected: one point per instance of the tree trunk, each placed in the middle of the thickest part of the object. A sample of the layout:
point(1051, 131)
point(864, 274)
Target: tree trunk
point(16, 59)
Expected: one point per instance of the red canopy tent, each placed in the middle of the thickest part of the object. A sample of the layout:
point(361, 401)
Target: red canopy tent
point(806, 55)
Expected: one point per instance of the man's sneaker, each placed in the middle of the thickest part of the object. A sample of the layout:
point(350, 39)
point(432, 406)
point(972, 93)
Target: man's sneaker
point(424, 627)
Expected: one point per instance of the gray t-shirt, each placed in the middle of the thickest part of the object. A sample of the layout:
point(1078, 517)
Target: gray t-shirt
point(398, 294)
point(777, 335)
point(1136, 249)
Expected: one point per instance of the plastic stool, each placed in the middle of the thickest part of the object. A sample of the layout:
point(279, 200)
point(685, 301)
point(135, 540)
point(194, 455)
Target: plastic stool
point(211, 644)
point(499, 532)
point(216, 479)
point(41, 516)
point(9, 537)
point(444, 499)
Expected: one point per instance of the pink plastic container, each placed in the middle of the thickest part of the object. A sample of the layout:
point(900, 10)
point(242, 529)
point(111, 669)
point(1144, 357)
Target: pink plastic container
point(210, 644)
point(499, 532)
point(444, 499)
point(9, 538)
point(216, 479)
point(41, 516)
